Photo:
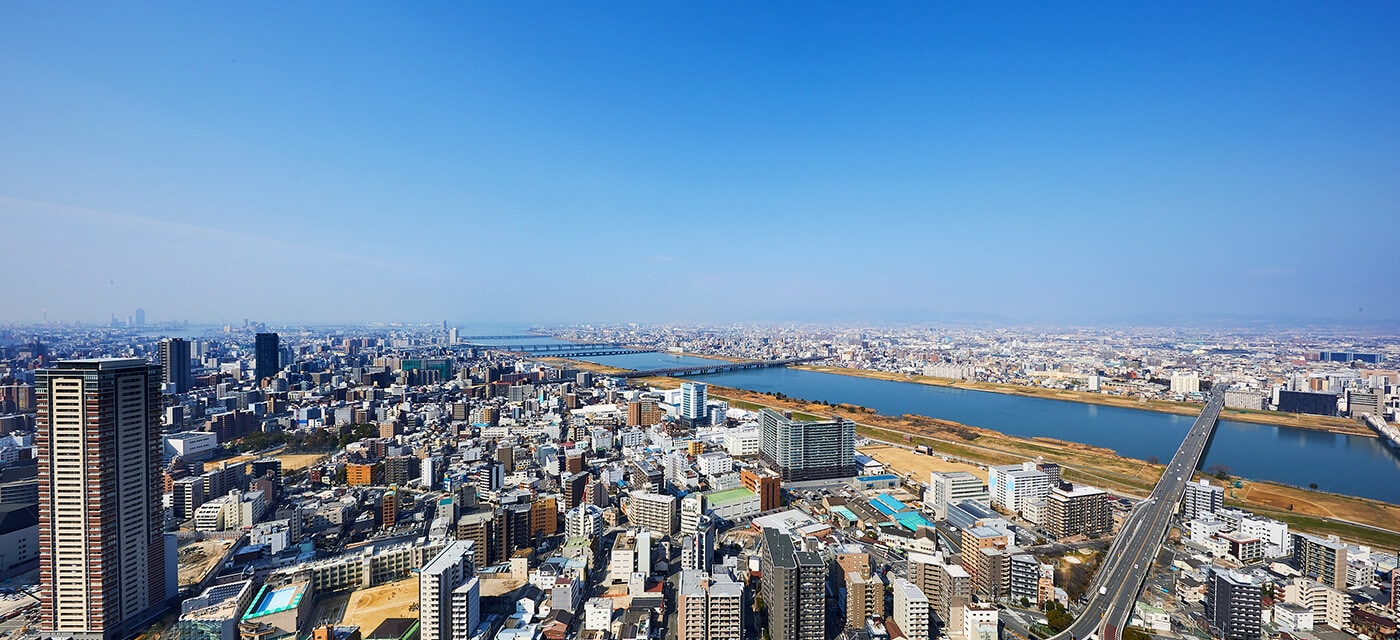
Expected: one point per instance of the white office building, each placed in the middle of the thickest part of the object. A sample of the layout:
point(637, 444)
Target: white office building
point(693, 397)
point(1012, 486)
point(947, 489)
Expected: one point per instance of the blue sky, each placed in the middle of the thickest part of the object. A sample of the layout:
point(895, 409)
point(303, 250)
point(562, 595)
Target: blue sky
point(707, 161)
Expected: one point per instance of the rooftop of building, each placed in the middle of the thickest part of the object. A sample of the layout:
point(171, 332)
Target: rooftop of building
point(14, 517)
point(1077, 491)
point(729, 496)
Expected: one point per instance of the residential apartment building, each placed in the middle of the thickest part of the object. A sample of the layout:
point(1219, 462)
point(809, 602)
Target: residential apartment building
point(794, 588)
point(105, 564)
point(654, 511)
point(911, 609)
point(1329, 606)
point(1233, 605)
point(1202, 498)
point(1323, 559)
point(709, 607)
point(1077, 510)
point(1013, 486)
point(801, 450)
point(443, 614)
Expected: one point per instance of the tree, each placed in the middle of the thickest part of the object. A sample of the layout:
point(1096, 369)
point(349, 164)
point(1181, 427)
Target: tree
point(1154, 460)
point(1219, 470)
point(1312, 485)
point(1058, 618)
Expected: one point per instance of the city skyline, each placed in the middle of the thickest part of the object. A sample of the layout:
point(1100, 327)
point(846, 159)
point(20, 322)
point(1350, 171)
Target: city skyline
point(910, 163)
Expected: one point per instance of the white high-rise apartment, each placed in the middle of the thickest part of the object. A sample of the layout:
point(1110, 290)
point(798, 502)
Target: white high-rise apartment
point(448, 601)
point(692, 508)
point(584, 521)
point(105, 565)
point(693, 397)
point(910, 608)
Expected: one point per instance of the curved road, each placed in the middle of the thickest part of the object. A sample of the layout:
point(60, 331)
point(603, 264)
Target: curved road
point(1115, 588)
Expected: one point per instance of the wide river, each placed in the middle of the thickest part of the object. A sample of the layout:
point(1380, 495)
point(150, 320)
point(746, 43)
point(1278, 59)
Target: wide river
point(1344, 464)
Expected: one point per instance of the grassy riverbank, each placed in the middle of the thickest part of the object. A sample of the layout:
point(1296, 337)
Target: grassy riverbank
point(1311, 511)
point(1275, 418)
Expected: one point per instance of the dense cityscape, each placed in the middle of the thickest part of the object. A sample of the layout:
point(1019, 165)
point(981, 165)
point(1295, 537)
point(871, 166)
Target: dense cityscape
point(699, 320)
point(415, 482)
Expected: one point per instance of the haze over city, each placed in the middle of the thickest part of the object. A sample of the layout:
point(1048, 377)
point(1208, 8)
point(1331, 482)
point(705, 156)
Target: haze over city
point(700, 162)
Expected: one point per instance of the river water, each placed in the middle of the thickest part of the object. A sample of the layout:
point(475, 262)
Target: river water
point(1344, 464)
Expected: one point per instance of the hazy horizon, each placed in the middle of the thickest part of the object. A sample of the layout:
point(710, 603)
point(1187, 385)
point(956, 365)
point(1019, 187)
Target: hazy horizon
point(548, 164)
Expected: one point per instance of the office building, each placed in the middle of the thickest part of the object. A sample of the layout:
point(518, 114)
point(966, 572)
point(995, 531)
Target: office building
point(801, 450)
point(1366, 402)
point(1077, 511)
point(1014, 486)
point(105, 567)
point(1322, 559)
point(443, 614)
point(951, 488)
point(175, 364)
point(693, 398)
point(1202, 498)
point(654, 511)
point(911, 609)
point(1320, 404)
point(709, 607)
point(794, 588)
point(1233, 605)
point(267, 356)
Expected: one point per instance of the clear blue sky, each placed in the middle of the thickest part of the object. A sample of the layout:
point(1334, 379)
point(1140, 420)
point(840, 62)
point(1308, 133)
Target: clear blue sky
point(588, 161)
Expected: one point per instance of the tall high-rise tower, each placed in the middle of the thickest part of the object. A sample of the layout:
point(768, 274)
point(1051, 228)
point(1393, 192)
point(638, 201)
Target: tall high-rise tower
point(794, 588)
point(268, 357)
point(175, 363)
point(103, 560)
point(693, 397)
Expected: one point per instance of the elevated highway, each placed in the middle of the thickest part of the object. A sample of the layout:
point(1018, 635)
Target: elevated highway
point(1115, 588)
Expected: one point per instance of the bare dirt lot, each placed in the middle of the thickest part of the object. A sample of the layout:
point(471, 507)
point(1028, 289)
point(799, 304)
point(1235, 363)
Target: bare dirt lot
point(196, 559)
point(904, 461)
point(298, 461)
point(368, 608)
